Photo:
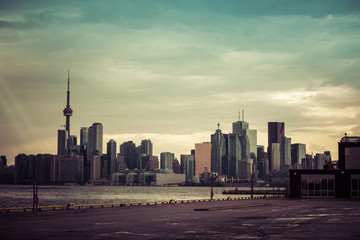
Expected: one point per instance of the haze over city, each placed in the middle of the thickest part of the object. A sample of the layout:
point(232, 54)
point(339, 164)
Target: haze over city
point(169, 71)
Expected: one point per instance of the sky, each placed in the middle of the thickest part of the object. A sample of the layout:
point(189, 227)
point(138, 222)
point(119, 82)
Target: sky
point(170, 71)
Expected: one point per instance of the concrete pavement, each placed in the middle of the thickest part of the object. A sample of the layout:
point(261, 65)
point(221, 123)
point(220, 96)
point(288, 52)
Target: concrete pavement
point(237, 219)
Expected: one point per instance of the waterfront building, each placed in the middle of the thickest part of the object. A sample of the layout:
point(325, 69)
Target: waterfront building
point(43, 168)
point(276, 131)
point(129, 153)
point(146, 147)
point(111, 156)
point(166, 160)
point(285, 160)
point(298, 155)
point(62, 142)
point(95, 140)
point(67, 169)
point(187, 166)
point(219, 152)
point(202, 158)
point(25, 167)
point(323, 183)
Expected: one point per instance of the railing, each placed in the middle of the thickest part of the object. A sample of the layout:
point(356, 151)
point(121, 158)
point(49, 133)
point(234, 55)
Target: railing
point(128, 204)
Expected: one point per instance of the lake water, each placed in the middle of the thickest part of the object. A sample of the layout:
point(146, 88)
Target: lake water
point(22, 195)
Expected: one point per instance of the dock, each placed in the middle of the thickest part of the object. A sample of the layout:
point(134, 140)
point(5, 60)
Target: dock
point(268, 191)
point(260, 218)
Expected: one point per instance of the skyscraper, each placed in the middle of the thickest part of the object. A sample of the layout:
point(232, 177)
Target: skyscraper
point(298, 155)
point(275, 156)
point(276, 131)
point(146, 147)
point(219, 152)
point(95, 140)
point(62, 147)
point(83, 139)
point(187, 166)
point(111, 156)
point(234, 155)
point(166, 160)
point(128, 151)
point(285, 160)
point(202, 158)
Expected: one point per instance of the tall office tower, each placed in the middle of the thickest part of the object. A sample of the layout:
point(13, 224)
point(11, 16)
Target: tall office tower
point(95, 166)
point(234, 155)
point(202, 158)
point(187, 166)
point(285, 161)
point(73, 140)
point(111, 156)
point(218, 152)
point(83, 138)
point(68, 112)
point(128, 150)
point(166, 160)
point(43, 168)
point(276, 130)
point(62, 142)
point(261, 161)
point(241, 128)
point(95, 140)
point(298, 155)
point(275, 156)
point(146, 147)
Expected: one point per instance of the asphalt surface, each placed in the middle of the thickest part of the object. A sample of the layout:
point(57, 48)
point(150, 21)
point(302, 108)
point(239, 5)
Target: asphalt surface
point(236, 219)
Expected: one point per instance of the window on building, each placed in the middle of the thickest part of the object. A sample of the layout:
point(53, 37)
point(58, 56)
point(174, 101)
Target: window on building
point(317, 185)
point(355, 185)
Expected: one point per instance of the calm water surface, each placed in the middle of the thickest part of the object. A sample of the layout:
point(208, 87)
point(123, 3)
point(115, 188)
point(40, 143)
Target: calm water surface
point(22, 195)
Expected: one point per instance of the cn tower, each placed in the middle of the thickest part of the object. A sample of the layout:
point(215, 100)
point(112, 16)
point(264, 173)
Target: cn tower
point(67, 110)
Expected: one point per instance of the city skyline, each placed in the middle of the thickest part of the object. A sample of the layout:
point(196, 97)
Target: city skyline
point(170, 71)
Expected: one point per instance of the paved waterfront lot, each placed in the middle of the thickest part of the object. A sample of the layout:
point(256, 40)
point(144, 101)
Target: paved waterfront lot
point(238, 219)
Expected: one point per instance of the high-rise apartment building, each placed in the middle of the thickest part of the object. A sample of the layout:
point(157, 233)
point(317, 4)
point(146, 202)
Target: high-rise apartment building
point(166, 160)
point(202, 158)
point(67, 169)
point(276, 131)
point(95, 140)
point(111, 156)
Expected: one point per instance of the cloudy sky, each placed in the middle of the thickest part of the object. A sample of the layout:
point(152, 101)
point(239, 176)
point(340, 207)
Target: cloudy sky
point(171, 70)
